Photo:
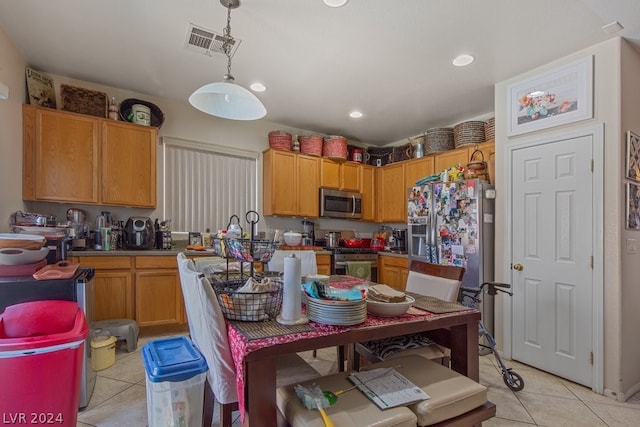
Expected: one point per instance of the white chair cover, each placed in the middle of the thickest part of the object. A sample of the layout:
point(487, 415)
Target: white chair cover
point(208, 330)
point(433, 286)
point(308, 259)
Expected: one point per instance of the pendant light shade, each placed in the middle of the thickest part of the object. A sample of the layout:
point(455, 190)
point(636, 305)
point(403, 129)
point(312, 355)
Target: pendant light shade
point(226, 99)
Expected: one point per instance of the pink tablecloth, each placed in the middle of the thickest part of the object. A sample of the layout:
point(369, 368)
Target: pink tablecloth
point(241, 346)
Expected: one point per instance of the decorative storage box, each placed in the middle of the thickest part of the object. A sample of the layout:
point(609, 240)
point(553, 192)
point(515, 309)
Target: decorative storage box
point(279, 140)
point(84, 101)
point(468, 133)
point(378, 156)
point(438, 140)
point(335, 147)
point(402, 152)
point(311, 144)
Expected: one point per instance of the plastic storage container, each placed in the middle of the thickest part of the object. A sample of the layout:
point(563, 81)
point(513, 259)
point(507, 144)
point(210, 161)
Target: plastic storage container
point(103, 352)
point(175, 376)
point(41, 353)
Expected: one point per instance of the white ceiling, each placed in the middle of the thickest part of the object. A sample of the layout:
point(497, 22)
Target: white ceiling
point(391, 59)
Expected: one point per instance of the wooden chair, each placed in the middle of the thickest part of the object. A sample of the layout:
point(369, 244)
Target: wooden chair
point(440, 281)
point(208, 331)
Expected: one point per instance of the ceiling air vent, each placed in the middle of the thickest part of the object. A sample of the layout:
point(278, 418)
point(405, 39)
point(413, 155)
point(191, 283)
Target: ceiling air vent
point(208, 42)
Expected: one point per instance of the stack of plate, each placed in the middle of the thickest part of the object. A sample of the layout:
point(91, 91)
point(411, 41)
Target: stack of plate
point(331, 312)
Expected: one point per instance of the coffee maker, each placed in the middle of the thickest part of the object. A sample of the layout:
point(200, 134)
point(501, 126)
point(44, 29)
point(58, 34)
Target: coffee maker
point(399, 241)
point(307, 232)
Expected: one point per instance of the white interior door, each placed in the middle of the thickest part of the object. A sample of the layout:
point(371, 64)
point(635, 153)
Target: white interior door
point(552, 256)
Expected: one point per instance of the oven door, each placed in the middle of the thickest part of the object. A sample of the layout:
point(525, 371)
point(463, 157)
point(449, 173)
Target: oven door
point(340, 268)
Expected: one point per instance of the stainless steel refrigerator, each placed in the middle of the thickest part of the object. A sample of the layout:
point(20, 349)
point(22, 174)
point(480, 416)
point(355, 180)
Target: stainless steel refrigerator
point(452, 223)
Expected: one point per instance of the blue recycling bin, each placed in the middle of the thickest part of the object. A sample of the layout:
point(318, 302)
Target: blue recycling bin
point(175, 375)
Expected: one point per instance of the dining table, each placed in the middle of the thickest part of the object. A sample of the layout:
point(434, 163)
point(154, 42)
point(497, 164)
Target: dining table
point(255, 346)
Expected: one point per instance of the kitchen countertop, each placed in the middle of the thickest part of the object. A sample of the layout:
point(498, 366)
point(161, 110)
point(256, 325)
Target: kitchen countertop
point(155, 252)
point(393, 254)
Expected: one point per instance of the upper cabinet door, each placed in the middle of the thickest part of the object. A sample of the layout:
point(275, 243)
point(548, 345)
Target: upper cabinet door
point(330, 174)
point(128, 165)
point(368, 190)
point(279, 183)
point(350, 176)
point(417, 169)
point(392, 194)
point(60, 157)
point(307, 186)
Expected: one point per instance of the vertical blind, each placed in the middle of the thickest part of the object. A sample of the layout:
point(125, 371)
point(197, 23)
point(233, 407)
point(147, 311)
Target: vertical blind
point(205, 184)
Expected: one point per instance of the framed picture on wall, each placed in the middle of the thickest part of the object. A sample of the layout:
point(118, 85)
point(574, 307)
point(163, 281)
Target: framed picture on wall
point(633, 206)
point(559, 96)
point(633, 156)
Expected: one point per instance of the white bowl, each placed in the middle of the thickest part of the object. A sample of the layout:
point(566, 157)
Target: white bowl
point(20, 256)
point(292, 238)
point(17, 240)
point(390, 309)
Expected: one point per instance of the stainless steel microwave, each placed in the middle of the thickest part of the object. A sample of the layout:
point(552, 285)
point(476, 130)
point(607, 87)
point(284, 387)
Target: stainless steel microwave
point(340, 204)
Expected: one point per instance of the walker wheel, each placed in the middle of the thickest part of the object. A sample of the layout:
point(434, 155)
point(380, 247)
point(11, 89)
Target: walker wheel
point(513, 380)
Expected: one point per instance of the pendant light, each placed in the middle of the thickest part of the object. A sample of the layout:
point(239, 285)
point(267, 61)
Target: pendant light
point(226, 99)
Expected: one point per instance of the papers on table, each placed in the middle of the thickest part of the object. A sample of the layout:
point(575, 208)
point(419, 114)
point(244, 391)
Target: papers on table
point(387, 388)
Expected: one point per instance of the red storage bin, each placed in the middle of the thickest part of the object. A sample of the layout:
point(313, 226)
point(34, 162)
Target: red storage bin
point(41, 352)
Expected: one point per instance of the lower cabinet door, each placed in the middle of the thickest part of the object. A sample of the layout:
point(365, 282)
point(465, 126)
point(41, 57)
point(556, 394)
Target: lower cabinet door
point(159, 298)
point(113, 294)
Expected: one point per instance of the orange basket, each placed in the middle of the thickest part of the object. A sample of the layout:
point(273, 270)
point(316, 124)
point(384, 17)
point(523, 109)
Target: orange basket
point(311, 144)
point(335, 147)
point(279, 140)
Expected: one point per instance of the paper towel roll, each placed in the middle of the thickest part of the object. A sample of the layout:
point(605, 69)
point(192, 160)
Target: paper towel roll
point(291, 304)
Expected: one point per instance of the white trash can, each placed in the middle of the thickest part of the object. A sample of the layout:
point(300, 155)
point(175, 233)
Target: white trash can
point(175, 377)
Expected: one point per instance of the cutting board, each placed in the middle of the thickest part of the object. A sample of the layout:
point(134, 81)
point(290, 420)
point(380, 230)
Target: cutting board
point(59, 270)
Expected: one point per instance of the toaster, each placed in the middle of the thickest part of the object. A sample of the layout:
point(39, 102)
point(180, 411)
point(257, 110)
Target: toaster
point(138, 233)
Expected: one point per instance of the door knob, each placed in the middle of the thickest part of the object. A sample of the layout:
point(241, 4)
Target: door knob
point(518, 267)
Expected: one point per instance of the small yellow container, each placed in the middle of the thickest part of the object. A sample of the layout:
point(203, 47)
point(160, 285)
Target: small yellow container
point(103, 352)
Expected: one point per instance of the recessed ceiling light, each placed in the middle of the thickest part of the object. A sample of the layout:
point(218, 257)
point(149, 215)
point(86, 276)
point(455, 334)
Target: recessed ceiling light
point(355, 114)
point(462, 60)
point(335, 3)
point(258, 87)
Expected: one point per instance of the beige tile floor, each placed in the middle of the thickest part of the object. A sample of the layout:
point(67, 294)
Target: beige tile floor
point(120, 398)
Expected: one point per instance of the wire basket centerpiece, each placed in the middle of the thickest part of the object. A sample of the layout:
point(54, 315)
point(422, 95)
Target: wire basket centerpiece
point(246, 250)
point(249, 300)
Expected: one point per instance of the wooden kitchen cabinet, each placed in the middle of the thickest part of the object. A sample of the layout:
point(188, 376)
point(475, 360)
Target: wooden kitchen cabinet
point(60, 156)
point(290, 184)
point(393, 271)
point(368, 190)
point(158, 293)
point(340, 175)
point(113, 286)
point(144, 288)
point(323, 263)
point(391, 193)
point(447, 159)
point(128, 154)
point(417, 169)
point(76, 158)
